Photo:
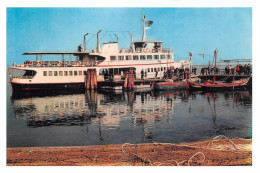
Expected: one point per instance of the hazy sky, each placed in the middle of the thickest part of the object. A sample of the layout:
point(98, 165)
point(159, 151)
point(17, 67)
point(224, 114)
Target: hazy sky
point(199, 30)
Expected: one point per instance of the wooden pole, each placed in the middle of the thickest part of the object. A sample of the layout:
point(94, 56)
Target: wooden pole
point(216, 55)
point(126, 80)
point(92, 80)
point(88, 79)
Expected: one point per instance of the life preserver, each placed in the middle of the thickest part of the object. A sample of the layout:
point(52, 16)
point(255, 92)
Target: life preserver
point(31, 62)
point(78, 63)
point(59, 63)
point(96, 62)
point(159, 50)
point(38, 63)
point(153, 50)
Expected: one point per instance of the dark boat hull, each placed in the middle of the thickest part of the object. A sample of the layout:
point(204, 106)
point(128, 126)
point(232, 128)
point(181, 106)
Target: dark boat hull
point(169, 86)
point(46, 87)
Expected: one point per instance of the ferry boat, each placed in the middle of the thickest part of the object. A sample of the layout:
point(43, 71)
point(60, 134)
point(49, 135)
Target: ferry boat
point(149, 59)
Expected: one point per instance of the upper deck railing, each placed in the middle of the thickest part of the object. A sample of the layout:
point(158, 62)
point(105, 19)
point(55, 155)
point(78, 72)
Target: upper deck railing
point(57, 64)
point(142, 50)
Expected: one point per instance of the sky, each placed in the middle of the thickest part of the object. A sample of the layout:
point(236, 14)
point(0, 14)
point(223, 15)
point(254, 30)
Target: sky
point(196, 30)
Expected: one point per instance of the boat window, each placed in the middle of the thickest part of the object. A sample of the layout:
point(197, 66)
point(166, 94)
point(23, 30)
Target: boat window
point(162, 56)
point(112, 58)
point(75, 73)
point(65, 73)
point(151, 69)
point(128, 57)
point(156, 56)
point(44, 73)
point(149, 57)
point(60, 73)
point(154, 69)
point(161, 68)
point(169, 56)
point(80, 73)
point(55, 73)
point(120, 58)
point(70, 72)
point(135, 57)
point(148, 69)
point(142, 57)
point(50, 73)
point(164, 68)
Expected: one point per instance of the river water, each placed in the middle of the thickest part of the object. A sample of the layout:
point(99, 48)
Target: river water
point(105, 117)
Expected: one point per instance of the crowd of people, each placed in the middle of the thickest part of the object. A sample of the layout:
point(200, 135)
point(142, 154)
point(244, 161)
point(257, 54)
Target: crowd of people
point(239, 69)
point(209, 70)
point(182, 73)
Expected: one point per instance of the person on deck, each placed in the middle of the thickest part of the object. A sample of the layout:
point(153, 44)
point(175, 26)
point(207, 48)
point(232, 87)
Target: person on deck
point(142, 74)
point(80, 48)
point(237, 69)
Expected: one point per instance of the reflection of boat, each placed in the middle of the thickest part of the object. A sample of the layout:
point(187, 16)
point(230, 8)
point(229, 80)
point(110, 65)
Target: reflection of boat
point(169, 85)
point(143, 88)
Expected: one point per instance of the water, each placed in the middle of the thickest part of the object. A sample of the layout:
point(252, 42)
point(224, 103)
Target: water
point(98, 118)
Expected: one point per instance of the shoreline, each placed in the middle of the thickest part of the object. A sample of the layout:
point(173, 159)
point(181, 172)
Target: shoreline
point(215, 152)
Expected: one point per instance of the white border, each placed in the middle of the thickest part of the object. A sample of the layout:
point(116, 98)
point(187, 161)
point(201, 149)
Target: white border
point(136, 3)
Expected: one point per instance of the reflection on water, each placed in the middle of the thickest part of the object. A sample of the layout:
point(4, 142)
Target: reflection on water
point(95, 118)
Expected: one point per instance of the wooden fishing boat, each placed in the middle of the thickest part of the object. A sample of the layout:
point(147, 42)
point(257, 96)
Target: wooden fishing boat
point(169, 85)
point(224, 86)
point(213, 85)
point(195, 86)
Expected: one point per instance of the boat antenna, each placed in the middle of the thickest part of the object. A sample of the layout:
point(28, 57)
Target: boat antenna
point(98, 40)
point(84, 43)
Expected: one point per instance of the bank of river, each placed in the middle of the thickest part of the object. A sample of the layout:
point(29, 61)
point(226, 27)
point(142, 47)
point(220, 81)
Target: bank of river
point(216, 152)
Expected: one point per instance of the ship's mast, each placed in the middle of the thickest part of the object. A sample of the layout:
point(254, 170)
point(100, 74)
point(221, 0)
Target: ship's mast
point(84, 43)
point(143, 20)
point(215, 55)
point(98, 40)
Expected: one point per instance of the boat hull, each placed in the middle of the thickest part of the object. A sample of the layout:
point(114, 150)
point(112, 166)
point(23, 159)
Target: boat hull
point(225, 86)
point(169, 86)
point(46, 87)
point(194, 87)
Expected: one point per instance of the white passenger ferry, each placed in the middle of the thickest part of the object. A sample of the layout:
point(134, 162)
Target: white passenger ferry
point(149, 58)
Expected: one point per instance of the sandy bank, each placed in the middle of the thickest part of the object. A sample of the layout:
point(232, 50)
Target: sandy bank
point(218, 152)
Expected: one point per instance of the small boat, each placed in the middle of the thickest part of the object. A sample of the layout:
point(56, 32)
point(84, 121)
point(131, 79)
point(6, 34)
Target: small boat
point(170, 85)
point(195, 86)
point(214, 85)
point(224, 86)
